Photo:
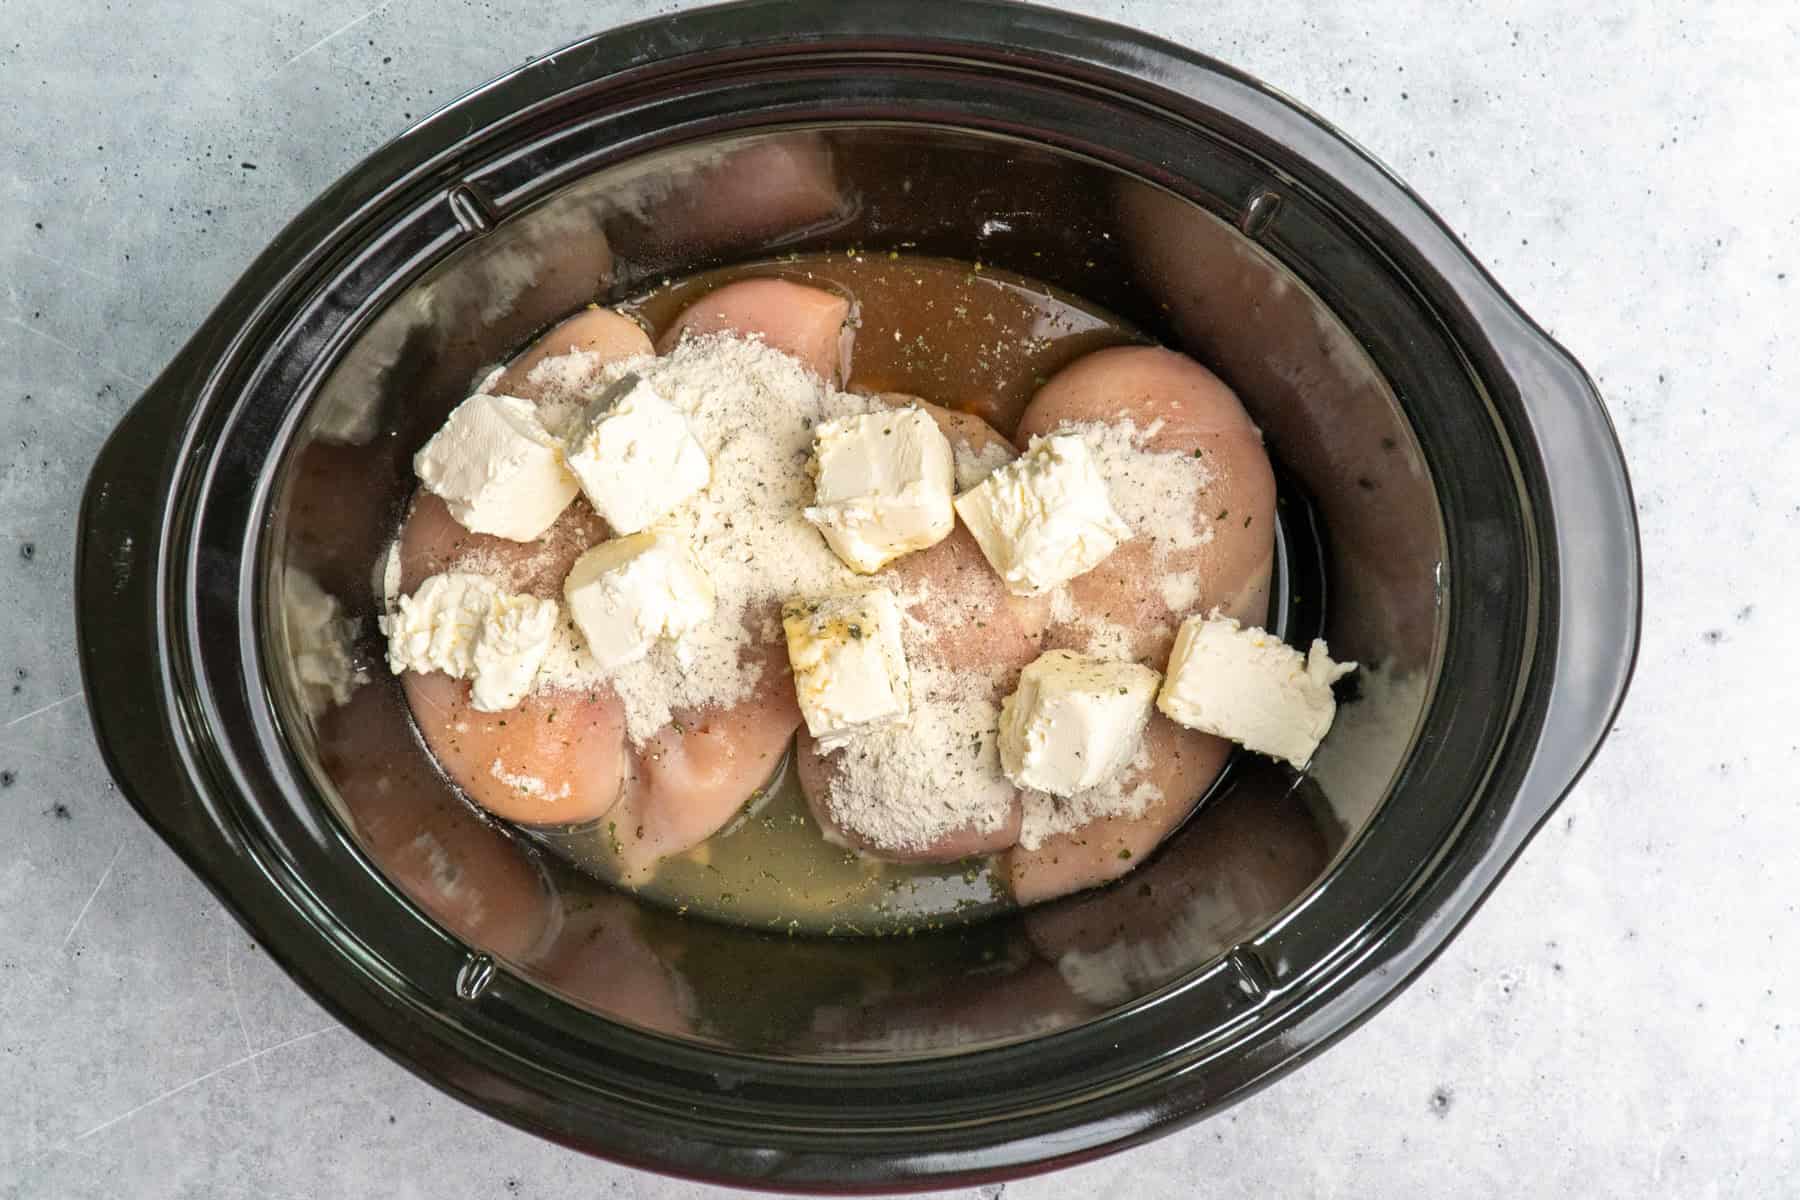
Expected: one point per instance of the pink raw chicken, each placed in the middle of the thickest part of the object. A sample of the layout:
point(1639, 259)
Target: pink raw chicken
point(809, 323)
point(696, 773)
point(558, 758)
point(432, 541)
point(978, 623)
point(561, 757)
point(691, 777)
point(1199, 415)
point(598, 331)
point(1183, 764)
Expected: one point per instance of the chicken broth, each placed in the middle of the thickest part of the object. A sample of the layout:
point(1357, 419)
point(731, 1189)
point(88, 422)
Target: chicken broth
point(973, 340)
point(771, 868)
point(966, 336)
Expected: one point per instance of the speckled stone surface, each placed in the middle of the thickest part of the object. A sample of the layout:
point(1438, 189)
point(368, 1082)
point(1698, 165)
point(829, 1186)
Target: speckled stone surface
point(1621, 1019)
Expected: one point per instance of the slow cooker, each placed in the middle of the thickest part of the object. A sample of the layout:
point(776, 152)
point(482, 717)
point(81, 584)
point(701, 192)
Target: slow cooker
point(1465, 530)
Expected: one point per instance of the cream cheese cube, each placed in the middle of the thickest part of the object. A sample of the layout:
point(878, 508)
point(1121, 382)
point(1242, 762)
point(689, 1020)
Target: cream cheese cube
point(626, 594)
point(497, 468)
point(1074, 722)
point(1251, 687)
point(634, 456)
point(885, 485)
point(514, 642)
point(850, 670)
point(465, 626)
point(1045, 517)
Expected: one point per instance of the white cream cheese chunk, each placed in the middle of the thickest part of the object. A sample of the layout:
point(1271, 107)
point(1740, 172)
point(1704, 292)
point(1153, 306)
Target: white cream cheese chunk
point(850, 670)
point(634, 456)
point(465, 626)
point(626, 594)
point(885, 485)
point(497, 468)
point(1045, 517)
point(1074, 721)
point(1251, 687)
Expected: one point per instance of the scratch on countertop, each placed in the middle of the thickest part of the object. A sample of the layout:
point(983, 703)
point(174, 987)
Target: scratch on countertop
point(38, 712)
point(346, 27)
point(75, 350)
point(237, 1006)
point(103, 1126)
point(82, 915)
point(79, 270)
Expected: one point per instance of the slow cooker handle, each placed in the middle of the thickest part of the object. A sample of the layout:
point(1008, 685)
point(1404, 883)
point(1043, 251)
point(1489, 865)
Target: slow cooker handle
point(118, 616)
point(1599, 585)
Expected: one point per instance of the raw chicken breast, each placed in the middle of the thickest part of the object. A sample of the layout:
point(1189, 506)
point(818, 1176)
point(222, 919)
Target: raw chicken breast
point(432, 542)
point(695, 773)
point(693, 776)
point(975, 620)
point(815, 771)
point(559, 756)
point(1183, 764)
point(809, 323)
point(1192, 413)
point(972, 622)
point(556, 759)
point(1199, 416)
point(598, 331)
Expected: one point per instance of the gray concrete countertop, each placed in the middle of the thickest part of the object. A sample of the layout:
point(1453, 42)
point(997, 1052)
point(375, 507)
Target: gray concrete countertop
point(1622, 1018)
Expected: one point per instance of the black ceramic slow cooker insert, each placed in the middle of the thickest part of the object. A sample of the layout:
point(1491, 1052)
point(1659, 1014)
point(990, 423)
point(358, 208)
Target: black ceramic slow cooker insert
point(1461, 524)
